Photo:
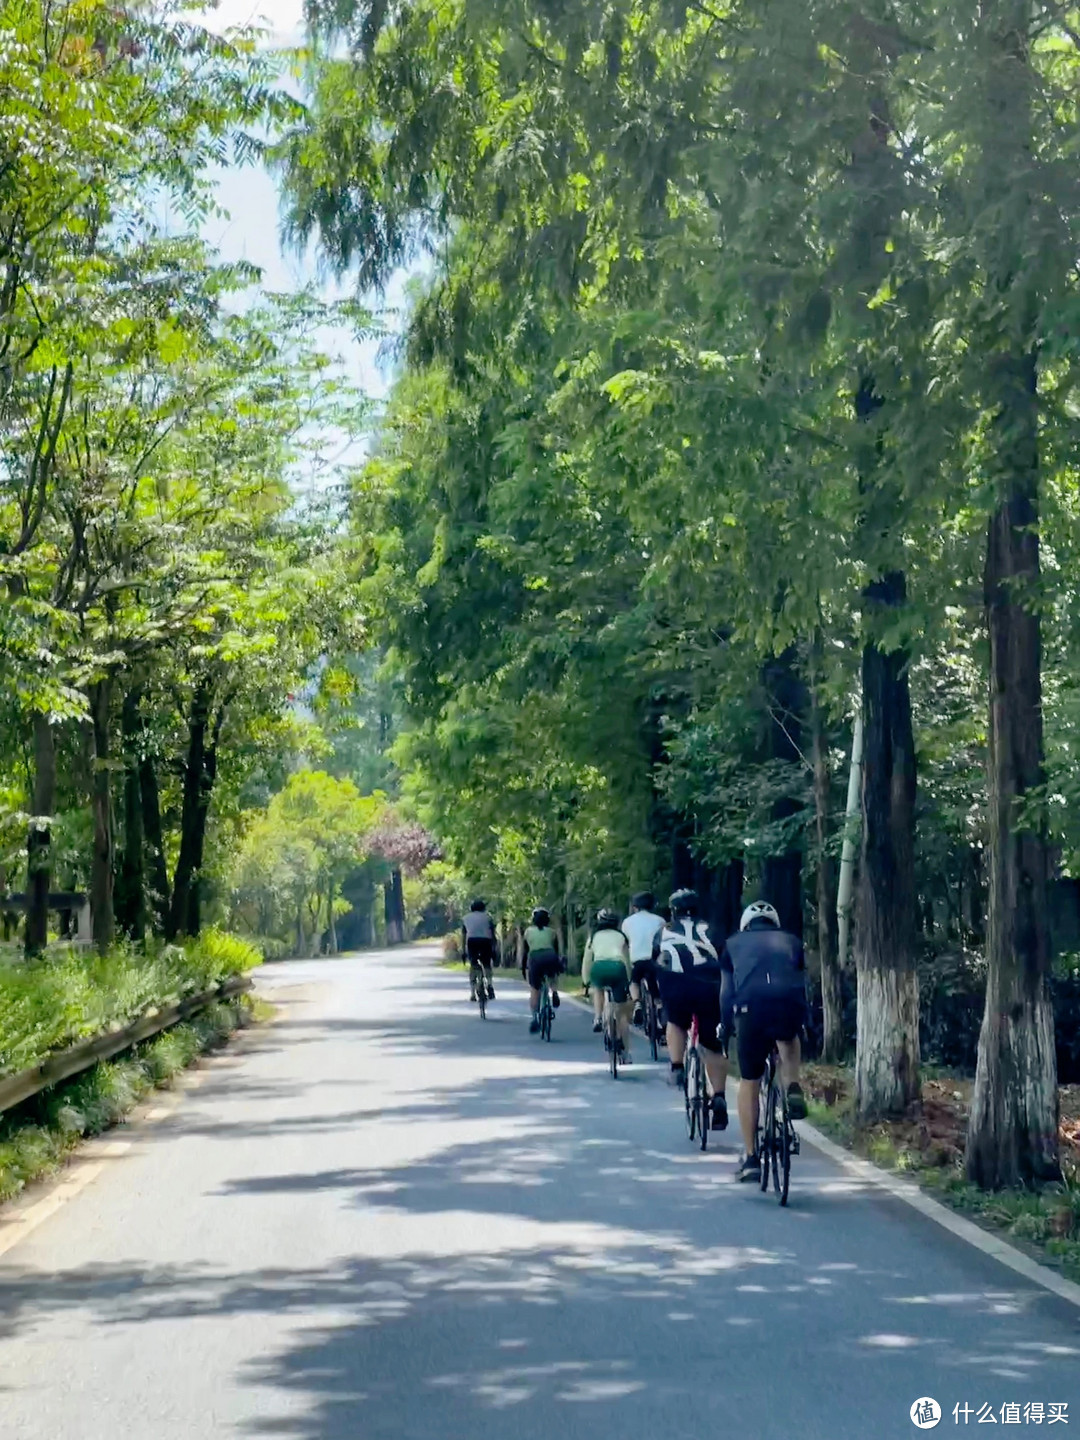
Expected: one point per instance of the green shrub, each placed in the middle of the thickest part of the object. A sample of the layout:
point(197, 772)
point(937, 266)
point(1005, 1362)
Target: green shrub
point(69, 995)
point(36, 1141)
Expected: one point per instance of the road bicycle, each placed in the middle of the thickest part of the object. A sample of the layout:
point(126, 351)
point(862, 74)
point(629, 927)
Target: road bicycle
point(479, 982)
point(546, 1013)
point(650, 1021)
point(777, 1138)
point(609, 1022)
point(696, 1093)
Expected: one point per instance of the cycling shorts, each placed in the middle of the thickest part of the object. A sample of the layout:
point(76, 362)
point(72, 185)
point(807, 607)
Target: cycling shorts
point(685, 996)
point(760, 1024)
point(611, 975)
point(644, 973)
point(545, 964)
point(481, 953)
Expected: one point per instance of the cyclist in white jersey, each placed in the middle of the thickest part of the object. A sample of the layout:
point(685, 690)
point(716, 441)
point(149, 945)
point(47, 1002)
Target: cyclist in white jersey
point(641, 928)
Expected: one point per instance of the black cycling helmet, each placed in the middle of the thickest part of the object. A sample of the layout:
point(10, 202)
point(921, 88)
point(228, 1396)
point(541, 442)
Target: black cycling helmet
point(478, 905)
point(607, 919)
point(684, 904)
point(540, 917)
point(643, 900)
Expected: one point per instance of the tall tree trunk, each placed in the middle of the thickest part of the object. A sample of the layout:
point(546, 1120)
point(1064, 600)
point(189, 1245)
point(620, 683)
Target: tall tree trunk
point(887, 1043)
point(197, 893)
point(331, 923)
point(130, 882)
point(39, 837)
point(887, 1027)
point(729, 897)
point(571, 952)
point(394, 903)
point(160, 889)
point(101, 863)
point(782, 875)
point(832, 1002)
point(184, 899)
point(1013, 1131)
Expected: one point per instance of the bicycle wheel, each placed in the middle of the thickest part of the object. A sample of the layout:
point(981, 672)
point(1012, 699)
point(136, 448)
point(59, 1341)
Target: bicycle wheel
point(781, 1143)
point(547, 1014)
point(763, 1133)
point(481, 997)
point(690, 1098)
point(613, 1042)
point(652, 1019)
point(704, 1108)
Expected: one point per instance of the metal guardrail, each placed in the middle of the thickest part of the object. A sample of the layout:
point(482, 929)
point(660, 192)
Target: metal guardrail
point(14, 1089)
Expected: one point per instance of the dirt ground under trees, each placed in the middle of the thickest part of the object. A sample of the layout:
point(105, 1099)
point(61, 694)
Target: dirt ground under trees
point(932, 1134)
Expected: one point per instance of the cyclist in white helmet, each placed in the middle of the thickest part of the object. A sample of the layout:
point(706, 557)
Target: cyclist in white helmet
point(763, 999)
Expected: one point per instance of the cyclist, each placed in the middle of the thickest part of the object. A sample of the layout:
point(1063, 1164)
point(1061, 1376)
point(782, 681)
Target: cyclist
point(606, 965)
point(641, 927)
point(689, 974)
point(764, 998)
point(540, 958)
point(478, 930)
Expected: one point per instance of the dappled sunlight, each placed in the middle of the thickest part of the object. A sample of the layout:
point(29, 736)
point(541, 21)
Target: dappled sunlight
point(986, 1302)
point(891, 1342)
point(498, 1243)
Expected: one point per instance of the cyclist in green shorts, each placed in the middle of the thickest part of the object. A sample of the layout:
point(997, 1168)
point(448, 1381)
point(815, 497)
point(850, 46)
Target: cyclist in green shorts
point(540, 959)
point(606, 966)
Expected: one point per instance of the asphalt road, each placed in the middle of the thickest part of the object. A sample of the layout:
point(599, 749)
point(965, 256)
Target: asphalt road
point(383, 1219)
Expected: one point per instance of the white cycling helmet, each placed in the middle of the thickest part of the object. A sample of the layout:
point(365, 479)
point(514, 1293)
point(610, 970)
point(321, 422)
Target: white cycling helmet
point(759, 910)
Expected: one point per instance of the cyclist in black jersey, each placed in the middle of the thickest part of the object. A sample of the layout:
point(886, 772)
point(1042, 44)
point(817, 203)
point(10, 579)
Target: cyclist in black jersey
point(763, 999)
point(689, 975)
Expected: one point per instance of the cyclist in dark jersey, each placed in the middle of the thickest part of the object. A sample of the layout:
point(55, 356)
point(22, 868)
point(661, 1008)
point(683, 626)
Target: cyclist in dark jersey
point(763, 999)
point(478, 932)
point(689, 975)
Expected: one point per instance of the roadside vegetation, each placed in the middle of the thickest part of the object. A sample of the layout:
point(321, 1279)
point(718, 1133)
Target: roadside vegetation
point(58, 1000)
point(39, 1137)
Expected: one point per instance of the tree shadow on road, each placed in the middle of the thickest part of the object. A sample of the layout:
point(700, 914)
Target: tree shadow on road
point(532, 1250)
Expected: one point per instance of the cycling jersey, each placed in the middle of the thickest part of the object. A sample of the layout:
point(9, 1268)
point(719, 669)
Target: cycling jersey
point(478, 925)
point(641, 930)
point(541, 941)
point(684, 947)
point(605, 945)
point(761, 965)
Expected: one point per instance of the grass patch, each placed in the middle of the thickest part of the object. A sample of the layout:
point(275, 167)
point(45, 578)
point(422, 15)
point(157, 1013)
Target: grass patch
point(927, 1147)
point(37, 1138)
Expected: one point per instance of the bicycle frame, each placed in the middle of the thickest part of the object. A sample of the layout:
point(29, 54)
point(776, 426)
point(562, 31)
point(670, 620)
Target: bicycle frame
point(610, 1023)
point(696, 1098)
point(547, 1010)
point(777, 1137)
point(479, 981)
